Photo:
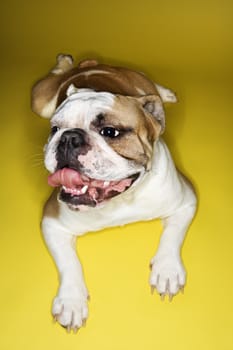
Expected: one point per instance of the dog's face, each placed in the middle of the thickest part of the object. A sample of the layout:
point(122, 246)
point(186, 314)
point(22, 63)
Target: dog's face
point(101, 144)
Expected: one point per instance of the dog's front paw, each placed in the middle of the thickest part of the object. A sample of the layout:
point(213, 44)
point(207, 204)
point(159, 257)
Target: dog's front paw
point(167, 276)
point(71, 313)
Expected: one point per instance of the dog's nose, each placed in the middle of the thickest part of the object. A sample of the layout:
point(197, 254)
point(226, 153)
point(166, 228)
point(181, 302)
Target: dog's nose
point(73, 138)
point(72, 143)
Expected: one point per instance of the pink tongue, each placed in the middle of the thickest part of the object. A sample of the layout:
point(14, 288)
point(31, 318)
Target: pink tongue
point(71, 179)
point(66, 177)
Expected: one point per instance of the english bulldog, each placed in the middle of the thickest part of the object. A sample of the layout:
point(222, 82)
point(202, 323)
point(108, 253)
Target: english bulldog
point(108, 166)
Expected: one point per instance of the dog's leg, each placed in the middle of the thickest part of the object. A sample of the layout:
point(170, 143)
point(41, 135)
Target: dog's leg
point(45, 91)
point(168, 274)
point(70, 305)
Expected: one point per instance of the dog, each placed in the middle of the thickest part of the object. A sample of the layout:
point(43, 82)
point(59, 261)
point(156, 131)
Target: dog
point(109, 166)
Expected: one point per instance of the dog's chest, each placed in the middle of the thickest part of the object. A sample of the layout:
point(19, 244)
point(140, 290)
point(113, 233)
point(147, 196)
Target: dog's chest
point(95, 220)
point(156, 196)
point(139, 205)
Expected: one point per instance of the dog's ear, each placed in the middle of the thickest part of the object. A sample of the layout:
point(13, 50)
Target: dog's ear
point(153, 105)
point(166, 95)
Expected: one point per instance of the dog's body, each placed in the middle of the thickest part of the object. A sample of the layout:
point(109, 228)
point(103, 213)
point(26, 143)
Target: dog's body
point(106, 156)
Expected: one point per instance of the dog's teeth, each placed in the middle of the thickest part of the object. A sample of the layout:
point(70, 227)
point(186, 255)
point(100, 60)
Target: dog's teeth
point(106, 184)
point(76, 192)
point(84, 189)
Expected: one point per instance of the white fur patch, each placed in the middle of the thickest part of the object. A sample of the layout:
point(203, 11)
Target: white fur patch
point(103, 163)
point(81, 107)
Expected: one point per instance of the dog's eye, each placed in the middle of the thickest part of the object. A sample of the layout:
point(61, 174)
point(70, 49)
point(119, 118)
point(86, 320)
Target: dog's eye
point(54, 129)
point(109, 132)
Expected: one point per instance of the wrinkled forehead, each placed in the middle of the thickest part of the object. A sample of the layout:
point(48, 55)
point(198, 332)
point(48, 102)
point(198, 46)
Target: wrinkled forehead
point(81, 108)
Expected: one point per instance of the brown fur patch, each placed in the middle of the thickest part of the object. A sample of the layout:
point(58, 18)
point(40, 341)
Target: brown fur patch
point(139, 130)
point(118, 80)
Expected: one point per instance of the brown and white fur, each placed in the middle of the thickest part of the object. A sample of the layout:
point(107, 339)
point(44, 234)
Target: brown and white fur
point(92, 97)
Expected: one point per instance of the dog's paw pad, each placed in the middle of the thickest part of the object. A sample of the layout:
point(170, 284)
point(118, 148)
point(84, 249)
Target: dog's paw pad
point(71, 313)
point(167, 276)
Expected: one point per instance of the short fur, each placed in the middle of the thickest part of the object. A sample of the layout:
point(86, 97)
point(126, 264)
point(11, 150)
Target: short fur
point(130, 103)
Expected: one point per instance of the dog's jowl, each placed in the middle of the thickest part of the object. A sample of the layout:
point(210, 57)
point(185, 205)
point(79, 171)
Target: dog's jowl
point(105, 156)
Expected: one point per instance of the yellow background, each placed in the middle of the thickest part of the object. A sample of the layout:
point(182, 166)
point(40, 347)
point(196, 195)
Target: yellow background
point(185, 45)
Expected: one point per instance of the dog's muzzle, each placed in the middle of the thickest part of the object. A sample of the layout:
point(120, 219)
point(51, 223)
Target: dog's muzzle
point(76, 188)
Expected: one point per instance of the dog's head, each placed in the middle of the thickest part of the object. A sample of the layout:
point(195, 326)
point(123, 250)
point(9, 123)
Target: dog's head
point(101, 144)
point(104, 124)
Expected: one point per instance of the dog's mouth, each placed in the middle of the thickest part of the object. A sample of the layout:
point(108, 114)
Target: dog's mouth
point(78, 190)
